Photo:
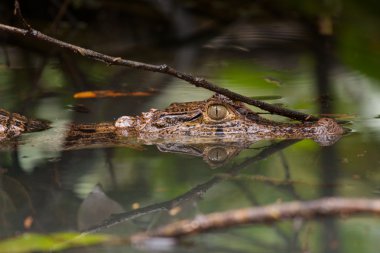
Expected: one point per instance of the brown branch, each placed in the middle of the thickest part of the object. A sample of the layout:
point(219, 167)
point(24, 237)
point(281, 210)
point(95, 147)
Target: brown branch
point(194, 193)
point(270, 213)
point(165, 69)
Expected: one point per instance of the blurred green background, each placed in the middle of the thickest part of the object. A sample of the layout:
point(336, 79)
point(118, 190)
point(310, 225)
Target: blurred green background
point(315, 57)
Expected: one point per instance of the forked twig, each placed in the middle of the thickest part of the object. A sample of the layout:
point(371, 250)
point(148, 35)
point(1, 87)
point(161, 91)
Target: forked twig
point(18, 14)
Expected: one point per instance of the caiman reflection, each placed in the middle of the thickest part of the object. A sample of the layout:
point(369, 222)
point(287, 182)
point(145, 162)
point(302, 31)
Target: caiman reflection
point(214, 155)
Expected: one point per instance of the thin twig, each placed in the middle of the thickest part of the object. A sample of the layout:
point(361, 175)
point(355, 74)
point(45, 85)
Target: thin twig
point(165, 69)
point(289, 187)
point(192, 194)
point(61, 12)
point(18, 14)
point(270, 213)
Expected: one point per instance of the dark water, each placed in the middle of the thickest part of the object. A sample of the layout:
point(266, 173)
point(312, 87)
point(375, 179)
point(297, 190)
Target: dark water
point(44, 189)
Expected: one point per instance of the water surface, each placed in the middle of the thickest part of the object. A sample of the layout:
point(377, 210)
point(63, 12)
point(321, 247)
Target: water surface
point(45, 189)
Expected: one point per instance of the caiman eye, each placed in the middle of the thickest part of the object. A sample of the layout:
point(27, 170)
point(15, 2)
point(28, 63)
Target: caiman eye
point(217, 112)
point(217, 155)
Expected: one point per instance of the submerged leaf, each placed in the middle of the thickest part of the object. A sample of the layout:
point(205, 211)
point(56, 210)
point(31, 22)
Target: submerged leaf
point(96, 208)
point(109, 93)
point(273, 80)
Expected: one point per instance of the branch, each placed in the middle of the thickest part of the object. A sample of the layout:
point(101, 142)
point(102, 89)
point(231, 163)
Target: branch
point(194, 193)
point(165, 69)
point(270, 213)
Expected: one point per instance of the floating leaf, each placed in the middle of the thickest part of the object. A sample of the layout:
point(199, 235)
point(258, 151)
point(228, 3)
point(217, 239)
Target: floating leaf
point(96, 208)
point(109, 93)
point(31, 242)
point(273, 80)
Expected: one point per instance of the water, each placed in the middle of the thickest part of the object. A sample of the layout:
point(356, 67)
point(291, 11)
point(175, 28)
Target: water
point(45, 189)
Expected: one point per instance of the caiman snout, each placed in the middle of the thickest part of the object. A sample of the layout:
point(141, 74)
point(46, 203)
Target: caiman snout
point(329, 126)
point(328, 131)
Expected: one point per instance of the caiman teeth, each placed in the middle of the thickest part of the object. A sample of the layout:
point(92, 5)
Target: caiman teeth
point(125, 121)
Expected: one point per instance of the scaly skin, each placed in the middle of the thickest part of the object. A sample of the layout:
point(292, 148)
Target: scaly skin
point(192, 122)
point(13, 124)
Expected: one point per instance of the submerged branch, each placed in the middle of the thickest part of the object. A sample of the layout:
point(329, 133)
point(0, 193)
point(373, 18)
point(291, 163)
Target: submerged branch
point(193, 194)
point(270, 213)
point(165, 69)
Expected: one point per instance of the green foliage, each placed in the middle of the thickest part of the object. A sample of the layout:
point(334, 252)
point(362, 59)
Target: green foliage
point(361, 235)
point(246, 75)
point(32, 242)
point(359, 40)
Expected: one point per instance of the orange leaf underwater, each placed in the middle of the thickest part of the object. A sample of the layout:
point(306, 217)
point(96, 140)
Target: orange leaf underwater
point(109, 93)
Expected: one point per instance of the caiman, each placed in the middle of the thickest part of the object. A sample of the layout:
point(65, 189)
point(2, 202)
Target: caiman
point(13, 124)
point(203, 128)
point(223, 119)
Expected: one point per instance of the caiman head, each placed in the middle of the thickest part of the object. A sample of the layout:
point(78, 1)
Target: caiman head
point(220, 118)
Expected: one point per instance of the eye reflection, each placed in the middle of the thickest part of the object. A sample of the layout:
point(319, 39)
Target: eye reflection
point(217, 112)
point(217, 155)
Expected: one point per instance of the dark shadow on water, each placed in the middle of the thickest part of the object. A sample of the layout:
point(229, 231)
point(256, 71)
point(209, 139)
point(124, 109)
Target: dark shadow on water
point(329, 166)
